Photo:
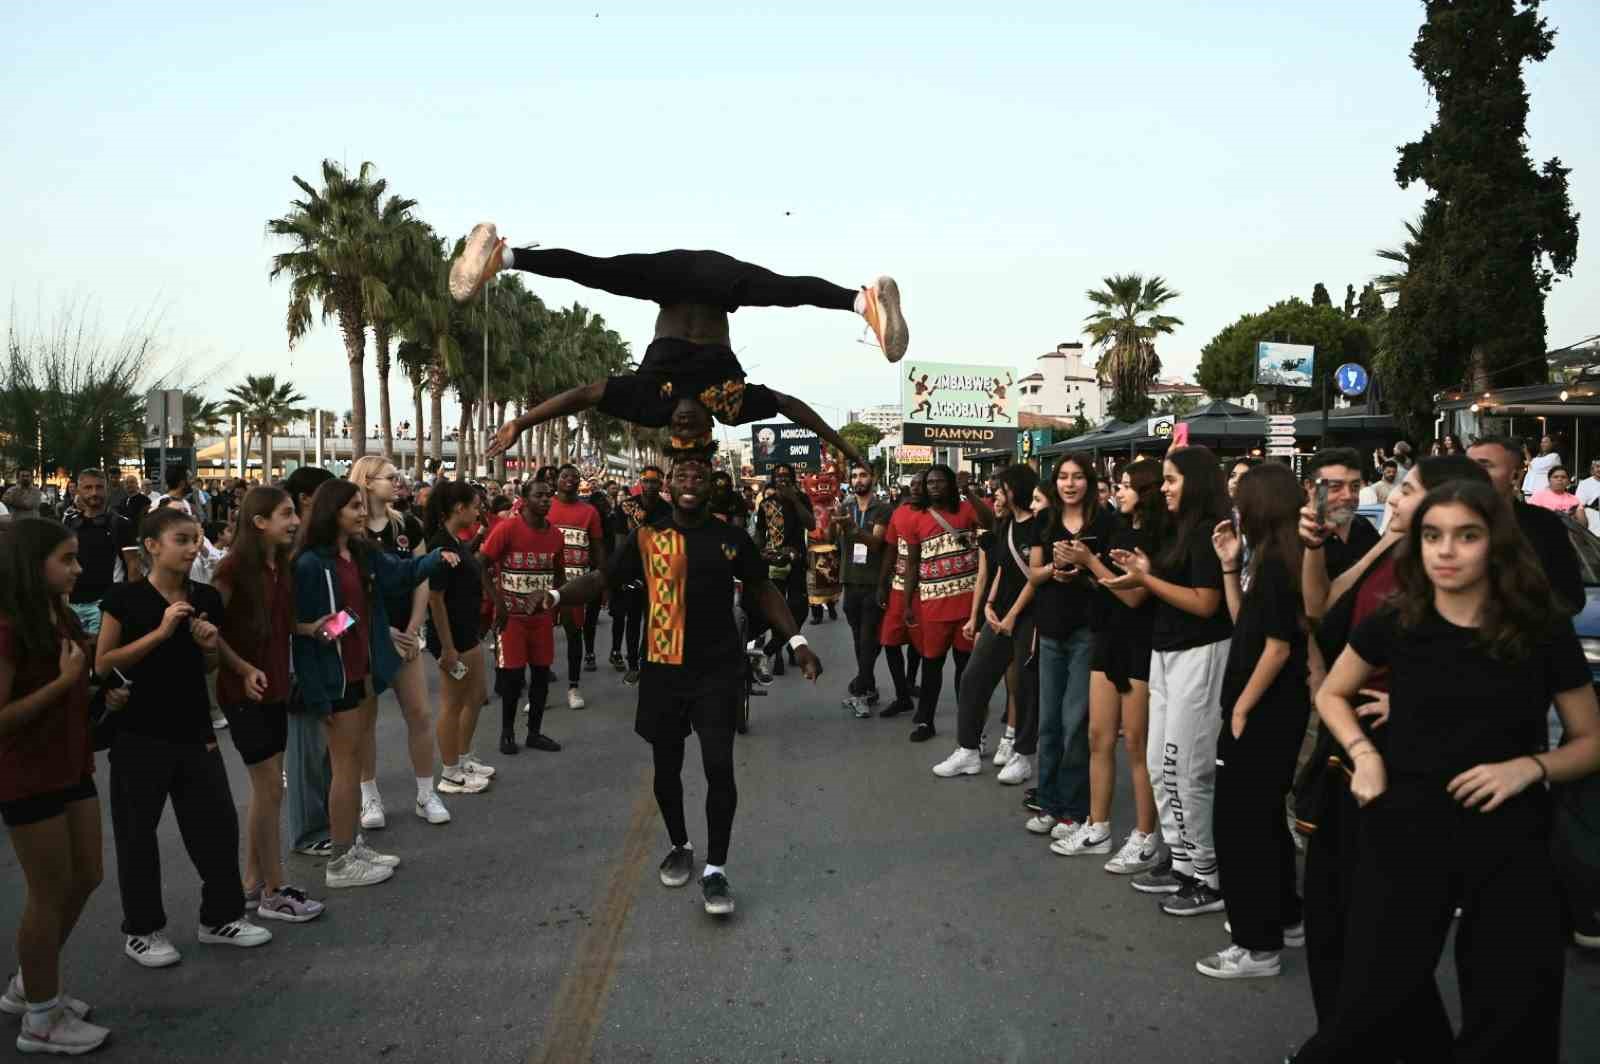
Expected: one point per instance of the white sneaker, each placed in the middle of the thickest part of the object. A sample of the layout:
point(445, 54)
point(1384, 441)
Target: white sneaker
point(240, 932)
point(154, 950)
point(65, 1033)
point(351, 871)
point(1236, 962)
point(432, 809)
point(371, 856)
point(372, 817)
point(963, 762)
point(1002, 753)
point(575, 699)
point(218, 721)
point(1065, 829)
point(1140, 853)
point(474, 767)
point(466, 783)
point(1018, 770)
point(1045, 824)
point(1294, 935)
point(1089, 838)
point(15, 1000)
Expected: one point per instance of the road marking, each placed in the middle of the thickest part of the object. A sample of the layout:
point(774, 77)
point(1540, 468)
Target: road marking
point(581, 999)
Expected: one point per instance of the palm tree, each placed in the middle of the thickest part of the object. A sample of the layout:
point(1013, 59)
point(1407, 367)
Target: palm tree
point(265, 406)
point(402, 254)
point(415, 360)
point(1125, 326)
point(1389, 284)
point(339, 258)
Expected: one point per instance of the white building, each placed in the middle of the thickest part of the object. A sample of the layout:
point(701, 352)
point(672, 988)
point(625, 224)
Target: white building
point(885, 417)
point(1060, 382)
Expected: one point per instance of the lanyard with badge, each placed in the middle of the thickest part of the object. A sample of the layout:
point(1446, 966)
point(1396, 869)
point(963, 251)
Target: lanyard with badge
point(858, 550)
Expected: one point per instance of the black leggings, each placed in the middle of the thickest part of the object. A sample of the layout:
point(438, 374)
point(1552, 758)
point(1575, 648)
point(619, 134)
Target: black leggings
point(574, 637)
point(706, 278)
point(509, 683)
point(627, 615)
point(591, 623)
point(722, 795)
point(933, 684)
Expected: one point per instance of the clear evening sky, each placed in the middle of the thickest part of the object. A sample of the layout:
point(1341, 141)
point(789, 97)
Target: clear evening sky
point(998, 164)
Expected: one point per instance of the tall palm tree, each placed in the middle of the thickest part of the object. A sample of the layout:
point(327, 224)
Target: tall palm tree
point(265, 406)
point(1125, 326)
point(201, 417)
point(1389, 284)
point(402, 262)
point(337, 259)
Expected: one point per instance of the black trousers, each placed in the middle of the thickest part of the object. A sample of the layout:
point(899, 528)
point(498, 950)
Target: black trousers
point(933, 684)
point(627, 615)
point(722, 794)
point(508, 682)
point(794, 594)
point(861, 609)
point(902, 673)
point(1255, 853)
point(707, 278)
point(1419, 856)
point(993, 655)
point(591, 624)
point(573, 634)
point(145, 774)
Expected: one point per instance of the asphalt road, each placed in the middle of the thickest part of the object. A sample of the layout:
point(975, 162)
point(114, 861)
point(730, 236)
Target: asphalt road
point(884, 915)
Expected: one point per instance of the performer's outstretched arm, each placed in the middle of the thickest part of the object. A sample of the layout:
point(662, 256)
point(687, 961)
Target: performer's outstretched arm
point(807, 418)
point(572, 401)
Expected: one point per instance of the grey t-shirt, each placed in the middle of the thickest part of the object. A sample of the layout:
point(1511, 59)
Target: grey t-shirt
point(859, 562)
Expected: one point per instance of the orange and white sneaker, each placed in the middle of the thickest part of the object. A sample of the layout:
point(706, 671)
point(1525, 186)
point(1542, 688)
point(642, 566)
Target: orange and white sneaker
point(880, 305)
point(479, 260)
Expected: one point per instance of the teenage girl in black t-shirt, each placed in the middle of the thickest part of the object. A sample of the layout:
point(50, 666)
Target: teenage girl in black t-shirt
point(1455, 811)
point(454, 637)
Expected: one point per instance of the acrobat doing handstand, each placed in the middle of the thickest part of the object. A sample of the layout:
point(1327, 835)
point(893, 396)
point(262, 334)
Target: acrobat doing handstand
point(689, 376)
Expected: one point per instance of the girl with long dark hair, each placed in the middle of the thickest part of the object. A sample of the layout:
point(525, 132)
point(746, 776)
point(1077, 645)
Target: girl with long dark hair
point(1455, 812)
point(1265, 706)
point(1189, 649)
point(1119, 679)
point(257, 587)
point(342, 648)
point(1005, 640)
point(454, 635)
point(399, 535)
point(161, 633)
point(47, 794)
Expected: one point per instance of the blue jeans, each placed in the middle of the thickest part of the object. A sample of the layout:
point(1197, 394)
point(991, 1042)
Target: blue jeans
point(1064, 724)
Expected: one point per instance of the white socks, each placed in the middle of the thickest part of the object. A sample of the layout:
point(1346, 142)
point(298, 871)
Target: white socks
point(424, 787)
point(369, 790)
point(453, 771)
point(508, 258)
point(861, 303)
point(38, 1017)
point(711, 870)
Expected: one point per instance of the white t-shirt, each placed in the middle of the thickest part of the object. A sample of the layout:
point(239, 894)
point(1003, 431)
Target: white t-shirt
point(1538, 476)
point(1588, 490)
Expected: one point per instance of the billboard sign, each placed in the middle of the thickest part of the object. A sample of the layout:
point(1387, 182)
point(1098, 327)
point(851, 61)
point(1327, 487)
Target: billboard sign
point(1284, 365)
point(782, 442)
point(913, 455)
point(951, 404)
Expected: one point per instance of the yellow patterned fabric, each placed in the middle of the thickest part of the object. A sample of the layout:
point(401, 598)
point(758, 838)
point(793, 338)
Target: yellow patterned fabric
point(666, 567)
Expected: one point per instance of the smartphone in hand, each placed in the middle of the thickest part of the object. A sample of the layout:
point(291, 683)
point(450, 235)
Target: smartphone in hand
point(339, 624)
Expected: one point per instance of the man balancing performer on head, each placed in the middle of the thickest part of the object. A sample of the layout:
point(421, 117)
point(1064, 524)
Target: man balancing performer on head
point(693, 672)
point(689, 374)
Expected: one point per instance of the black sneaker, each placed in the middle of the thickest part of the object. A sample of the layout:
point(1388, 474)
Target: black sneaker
point(631, 678)
point(589, 663)
point(895, 708)
point(540, 741)
point(508, 743)
point(922, 733)
point(719, 899)
point(1030, 800)
point(1195, 897)
point(833, 612)
point(678, 867)
point(872, 698)
point(777, 664)
point(616, 662)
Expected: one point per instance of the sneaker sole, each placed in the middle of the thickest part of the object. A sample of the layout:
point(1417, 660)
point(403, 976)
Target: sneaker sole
point(421, 815)
point(374, 825)
point(207, 939)
point(1202, 910)
point(144, 960)
point(720, 908)
point(665, 882)
point(896, 337)
point(1086, 852)
point(1013, 783)
point(388, 874)
point(289, 918)
point(468, 272)
point(1145, 888)
point(1258, 973)
point(1133, 869)
point(28, 1044)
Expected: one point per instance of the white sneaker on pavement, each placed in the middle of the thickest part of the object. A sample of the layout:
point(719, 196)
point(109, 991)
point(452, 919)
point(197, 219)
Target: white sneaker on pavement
point(154, 950)
point(371, 856)
point(474, 767)
point(963, 762)
point(351, 871)
point(1236, 962)
point(1065, 829)
point(466, 783)
point(575, 699)
point(240, 932)
point(1089, 838)
point(1140, 853)
point(1045, 824)
point(1002, 753)
point(63, 1033)
point(372, 817)
point(432, 809)
point(15, 1000)
point(1018, 770)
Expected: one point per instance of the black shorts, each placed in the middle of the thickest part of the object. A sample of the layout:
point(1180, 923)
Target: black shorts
point(464, 636)
point(259, 729)
point(676, 369)
point(671, 711)
point(1122, 656)
point(355, 693)
point(20, 812)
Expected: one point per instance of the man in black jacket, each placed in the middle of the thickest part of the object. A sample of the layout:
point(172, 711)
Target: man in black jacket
point(1547, 533)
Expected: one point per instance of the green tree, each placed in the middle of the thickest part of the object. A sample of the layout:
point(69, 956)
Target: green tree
point(1228, 360)
point(1125, 327)
point(1320, 297)
point(201, 417)
point(266, 406)
point(1180, 403)
point(401, 264)
point(340, 259)
point(860, 435)
point(1495, 231)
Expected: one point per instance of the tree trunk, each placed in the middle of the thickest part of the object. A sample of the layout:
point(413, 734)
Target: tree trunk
point(566, 434)
point(500, 460)
point(416, 402)
point(436, 408)
point(266, 454)
point(522, 445)
point(355, 351)
point(380, 352)
point(463, 437)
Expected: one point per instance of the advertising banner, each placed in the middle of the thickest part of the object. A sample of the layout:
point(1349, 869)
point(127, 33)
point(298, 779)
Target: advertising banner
point(952, 404)
point(1284, 365)
point(782, 442)
point(913, 455)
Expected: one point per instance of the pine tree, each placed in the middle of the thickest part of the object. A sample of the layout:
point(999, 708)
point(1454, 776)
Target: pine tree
point(1320, 297)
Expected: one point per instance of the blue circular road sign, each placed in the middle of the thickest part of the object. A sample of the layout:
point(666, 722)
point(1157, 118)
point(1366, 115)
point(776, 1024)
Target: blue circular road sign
point(1351, 378)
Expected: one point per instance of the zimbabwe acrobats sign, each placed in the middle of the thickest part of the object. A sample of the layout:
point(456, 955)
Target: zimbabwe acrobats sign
point(958, 405)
